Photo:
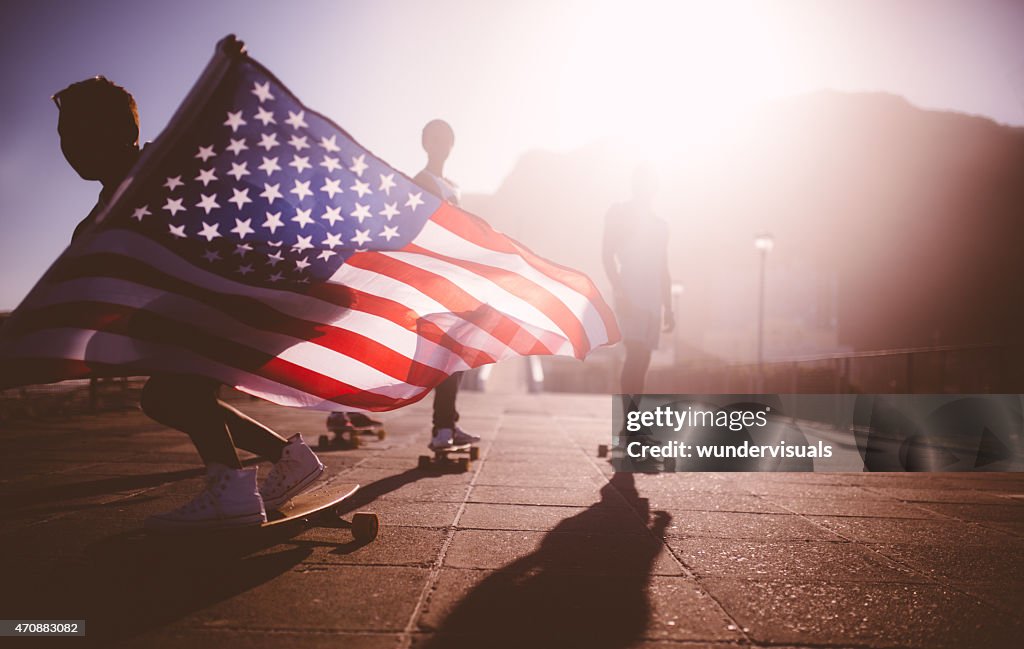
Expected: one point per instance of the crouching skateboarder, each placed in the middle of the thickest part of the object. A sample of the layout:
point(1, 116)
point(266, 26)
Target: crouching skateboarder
point(98, 125)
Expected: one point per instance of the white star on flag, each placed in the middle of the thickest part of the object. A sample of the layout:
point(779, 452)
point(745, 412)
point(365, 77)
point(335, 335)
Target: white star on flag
point(301, 189)
point(331, 187)
point(235, 121)
point(273, 222)
point(330, 144)
point(332, 240)
point(415, 200)
point(174, 206)
point(269, 166)
point(297, 120)
point(302, 217)
point(333, 214)
point(271, 192)
point(302, 243)
point(361, 212)
point(300, 163)
point(239, 170)
point(358, 165)
point(210, 231)
point(205, 153)
point(362, 236)
point(240, 198)
point(331, 164)
point(207, 203)
point(361, 188)
point(206, 176)
point(275, 258)
point(262, 91)
point(237, 146)
point(264, 116)
point(268, 141)
point(242, 228)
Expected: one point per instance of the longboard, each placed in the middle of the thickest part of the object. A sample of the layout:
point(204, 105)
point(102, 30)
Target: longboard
point(345, 433)
point(443, 457)
point(319, 504)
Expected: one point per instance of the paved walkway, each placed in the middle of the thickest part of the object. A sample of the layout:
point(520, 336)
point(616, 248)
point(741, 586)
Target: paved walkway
point(539, 545)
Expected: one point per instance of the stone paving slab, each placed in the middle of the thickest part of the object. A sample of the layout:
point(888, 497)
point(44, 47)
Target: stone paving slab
point(508, 608)
point(863, 614)
point(787, 561)
point(540, 544)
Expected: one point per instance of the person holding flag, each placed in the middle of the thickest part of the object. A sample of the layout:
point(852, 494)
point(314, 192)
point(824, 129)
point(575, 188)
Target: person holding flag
point(98, 126)
point(438, 139)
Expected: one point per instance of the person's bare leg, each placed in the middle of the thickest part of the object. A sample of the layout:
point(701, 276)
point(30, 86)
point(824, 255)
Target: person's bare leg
point(634, 376)
point(189, 404)
point(252, 435)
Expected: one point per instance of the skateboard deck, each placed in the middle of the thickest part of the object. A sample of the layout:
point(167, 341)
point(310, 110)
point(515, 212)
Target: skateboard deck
point(346, 434)
point(443, 457)
point(319, 504)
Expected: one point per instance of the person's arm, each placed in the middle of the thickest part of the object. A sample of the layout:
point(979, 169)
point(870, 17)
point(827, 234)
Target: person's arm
point(611, 267)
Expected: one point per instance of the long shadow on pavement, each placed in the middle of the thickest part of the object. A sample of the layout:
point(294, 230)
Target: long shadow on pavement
point(129, 583)
point(583, 587)
point(126, 585)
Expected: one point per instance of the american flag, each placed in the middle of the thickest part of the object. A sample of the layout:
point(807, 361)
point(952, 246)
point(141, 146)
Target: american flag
point(257, 243)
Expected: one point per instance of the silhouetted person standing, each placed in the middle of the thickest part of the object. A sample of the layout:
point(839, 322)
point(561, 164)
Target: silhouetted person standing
point(438, 140)
point(635, 256)
point(99, 136)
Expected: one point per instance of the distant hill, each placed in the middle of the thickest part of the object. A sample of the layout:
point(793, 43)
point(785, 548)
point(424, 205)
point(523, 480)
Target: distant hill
point(895, 226)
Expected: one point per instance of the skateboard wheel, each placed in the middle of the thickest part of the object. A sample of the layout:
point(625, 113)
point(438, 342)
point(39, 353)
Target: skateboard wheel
point(381, 433)
point(474, 452)
point(424, 462)
point(365, 526)
point(323, 442)
point(353, 439)
point(463, 464)
point(602, 450)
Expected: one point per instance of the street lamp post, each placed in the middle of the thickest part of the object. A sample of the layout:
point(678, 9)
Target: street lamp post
point(763, 242)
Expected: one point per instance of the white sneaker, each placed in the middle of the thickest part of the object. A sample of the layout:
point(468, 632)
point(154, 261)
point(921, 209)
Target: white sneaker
point(230, 499)
point(298, 468)
point(443, 438)
point(462, 437)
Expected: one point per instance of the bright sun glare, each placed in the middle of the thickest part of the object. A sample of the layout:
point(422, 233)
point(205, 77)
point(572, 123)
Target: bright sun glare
point(672, 76)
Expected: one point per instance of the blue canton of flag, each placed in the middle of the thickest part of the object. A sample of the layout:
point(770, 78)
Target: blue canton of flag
point(264, 191)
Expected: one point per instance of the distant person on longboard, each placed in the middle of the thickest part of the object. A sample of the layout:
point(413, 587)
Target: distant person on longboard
point(99, 136)
point(438, 140)
point(635, 256)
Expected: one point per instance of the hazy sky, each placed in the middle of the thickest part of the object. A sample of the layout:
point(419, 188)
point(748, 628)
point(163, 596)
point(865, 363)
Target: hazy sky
point(509, 76)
